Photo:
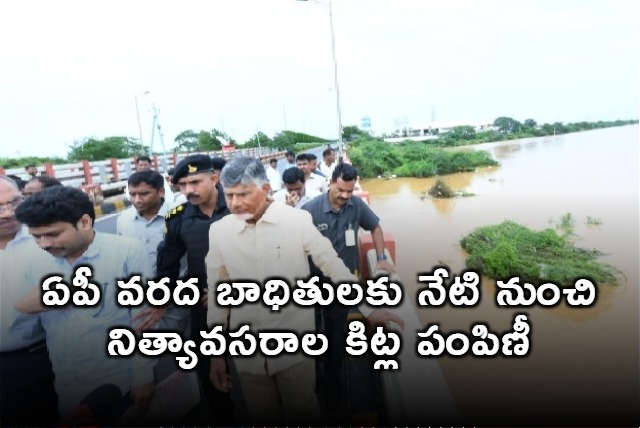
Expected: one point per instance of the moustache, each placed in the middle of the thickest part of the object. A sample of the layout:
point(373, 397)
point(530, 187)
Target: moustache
point(192, 195)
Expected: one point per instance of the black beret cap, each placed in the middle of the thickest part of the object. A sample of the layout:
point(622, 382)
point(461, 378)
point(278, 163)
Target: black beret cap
point(194, 164)
point(218, 163)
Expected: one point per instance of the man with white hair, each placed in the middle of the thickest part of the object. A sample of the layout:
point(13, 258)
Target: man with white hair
point(262, 240)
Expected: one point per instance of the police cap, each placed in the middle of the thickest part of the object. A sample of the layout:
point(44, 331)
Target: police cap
point(194, 164)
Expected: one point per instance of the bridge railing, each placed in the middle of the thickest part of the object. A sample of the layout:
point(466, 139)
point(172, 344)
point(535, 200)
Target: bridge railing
point(109, 176)
point(417, 392)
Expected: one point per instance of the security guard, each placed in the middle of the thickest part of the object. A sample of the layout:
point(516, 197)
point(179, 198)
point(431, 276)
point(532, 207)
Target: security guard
point(187, 231)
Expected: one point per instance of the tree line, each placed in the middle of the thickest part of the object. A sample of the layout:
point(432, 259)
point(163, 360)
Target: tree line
point(121, 147)
point(507, 128)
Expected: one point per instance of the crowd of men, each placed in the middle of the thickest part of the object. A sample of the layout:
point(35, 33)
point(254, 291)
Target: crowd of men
point(207, 220)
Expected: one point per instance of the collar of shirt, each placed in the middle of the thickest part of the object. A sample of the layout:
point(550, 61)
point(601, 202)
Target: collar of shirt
point(21, 235)
point(273, 215)
point(327, 207)
point(91, 252)
point(162, 212)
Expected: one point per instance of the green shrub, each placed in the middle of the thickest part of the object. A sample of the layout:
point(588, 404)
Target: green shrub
point(509, 249)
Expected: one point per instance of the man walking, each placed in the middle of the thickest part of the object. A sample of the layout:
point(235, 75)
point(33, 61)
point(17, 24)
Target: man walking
point(187, 231)
point(27, 395)
point(61, 220)
point(339, 217)
point(263, 240)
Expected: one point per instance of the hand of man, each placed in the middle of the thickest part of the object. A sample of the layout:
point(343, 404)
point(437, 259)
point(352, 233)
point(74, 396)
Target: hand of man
point(141, 396)
point(150, 317)
point(204, 299)
point(384, 318)
point(218, 375)
point(385, 266)
point(292, 199)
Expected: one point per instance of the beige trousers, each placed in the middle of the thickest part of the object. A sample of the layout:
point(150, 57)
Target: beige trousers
point(285, 398)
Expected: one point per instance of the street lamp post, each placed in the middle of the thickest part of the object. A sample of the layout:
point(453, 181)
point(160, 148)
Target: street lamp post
point(335, 75)
point(138, 114)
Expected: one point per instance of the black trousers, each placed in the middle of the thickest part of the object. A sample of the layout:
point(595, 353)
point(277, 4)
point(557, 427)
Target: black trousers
point(219, 403)
point(332, 377)
point(27, 393)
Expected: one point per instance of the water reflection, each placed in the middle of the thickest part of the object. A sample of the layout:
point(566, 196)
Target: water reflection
point(589, 174)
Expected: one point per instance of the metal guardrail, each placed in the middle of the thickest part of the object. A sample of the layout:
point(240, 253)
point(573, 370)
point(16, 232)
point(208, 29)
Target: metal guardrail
point(109, 176)
point(417, 393)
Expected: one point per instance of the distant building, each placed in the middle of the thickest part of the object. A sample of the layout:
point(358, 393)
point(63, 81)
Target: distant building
point(441, 127)
point(431, 130)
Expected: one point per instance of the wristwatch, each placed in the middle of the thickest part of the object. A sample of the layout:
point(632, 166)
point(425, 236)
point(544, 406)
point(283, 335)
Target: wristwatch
point(382, 256)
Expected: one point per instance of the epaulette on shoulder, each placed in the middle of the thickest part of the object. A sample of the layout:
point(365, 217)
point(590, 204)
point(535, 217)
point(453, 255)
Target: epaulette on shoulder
point(176, 211)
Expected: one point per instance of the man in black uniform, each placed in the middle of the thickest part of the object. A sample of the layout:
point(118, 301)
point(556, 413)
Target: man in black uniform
point(187, 231)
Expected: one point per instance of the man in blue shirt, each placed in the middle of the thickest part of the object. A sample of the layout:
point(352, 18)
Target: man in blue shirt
point(339, 216)
point(61, 221)
point(27, 396)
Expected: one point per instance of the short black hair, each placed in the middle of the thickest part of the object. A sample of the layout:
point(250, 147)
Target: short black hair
point(326, 152)
point(272, 160)
point(291, 153)
point(47, 181)
point(302, 157)
point(218, 163)
point(152, 178)
point(311, 156)
point(292, 175)
point(53, 204)
point(19, 181)
point(143, 158)
point(171, 171)
point(345, 171)
point(26, 167)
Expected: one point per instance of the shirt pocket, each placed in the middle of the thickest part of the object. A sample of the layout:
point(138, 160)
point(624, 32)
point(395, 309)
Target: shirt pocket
point(108, 304)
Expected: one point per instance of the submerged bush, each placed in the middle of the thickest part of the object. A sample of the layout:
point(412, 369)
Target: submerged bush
point(441, 189)
point(509, 249)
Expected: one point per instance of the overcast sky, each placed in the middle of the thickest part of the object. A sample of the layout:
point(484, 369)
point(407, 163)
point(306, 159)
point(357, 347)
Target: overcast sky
point(72, 69)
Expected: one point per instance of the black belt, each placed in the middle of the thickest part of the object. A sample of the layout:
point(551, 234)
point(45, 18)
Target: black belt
point(38, 346)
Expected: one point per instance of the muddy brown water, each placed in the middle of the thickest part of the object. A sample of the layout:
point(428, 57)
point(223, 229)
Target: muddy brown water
point(582, 358)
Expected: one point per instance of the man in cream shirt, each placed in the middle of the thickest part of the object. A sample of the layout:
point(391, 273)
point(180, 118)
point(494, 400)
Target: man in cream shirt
point(263, 240)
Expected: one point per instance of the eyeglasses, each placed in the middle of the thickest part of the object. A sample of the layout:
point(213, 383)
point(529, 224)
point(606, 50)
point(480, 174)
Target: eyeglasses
point(12, 205)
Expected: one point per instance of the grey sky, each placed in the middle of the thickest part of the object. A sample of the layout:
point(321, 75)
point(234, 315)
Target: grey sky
point(71, 68)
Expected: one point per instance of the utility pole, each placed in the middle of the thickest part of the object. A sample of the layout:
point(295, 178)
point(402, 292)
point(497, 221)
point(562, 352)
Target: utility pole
point(156, 124)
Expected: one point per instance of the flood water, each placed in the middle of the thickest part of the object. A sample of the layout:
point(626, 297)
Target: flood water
point(579, 357)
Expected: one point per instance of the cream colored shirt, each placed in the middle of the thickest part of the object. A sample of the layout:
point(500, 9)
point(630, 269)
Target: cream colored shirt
point(276, 246)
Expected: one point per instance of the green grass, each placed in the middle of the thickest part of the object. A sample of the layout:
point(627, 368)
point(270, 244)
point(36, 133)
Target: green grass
point(510, 249)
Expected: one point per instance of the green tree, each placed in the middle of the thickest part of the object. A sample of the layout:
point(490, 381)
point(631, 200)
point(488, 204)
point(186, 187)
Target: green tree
point(507, 125)
point(464, 132)
point(352, 132)
point(92, 149)
point(530, 123)
point(206, 142)
point(186, 141)
point(259, 139)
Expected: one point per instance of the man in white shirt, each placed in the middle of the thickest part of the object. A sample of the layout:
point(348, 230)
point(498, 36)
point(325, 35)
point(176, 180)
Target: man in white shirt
point(274, 176)
point(291, 159)
point(312, 182)
point(261, 240)
point(294, 192)
point(328, 163)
